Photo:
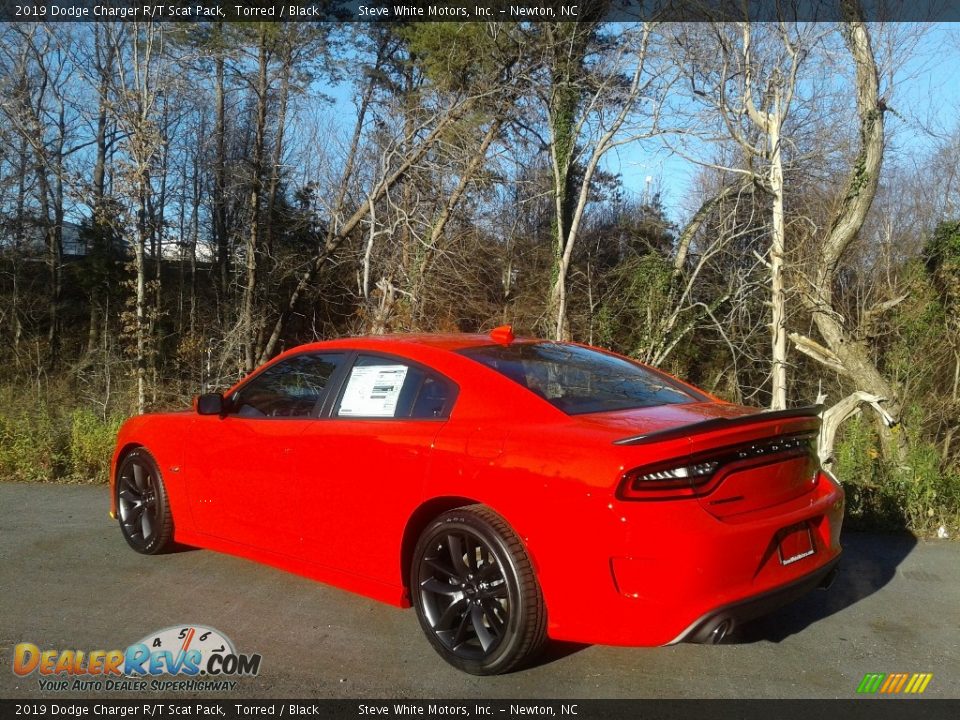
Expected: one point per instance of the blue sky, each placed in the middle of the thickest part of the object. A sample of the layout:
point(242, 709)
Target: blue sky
point(926, 98)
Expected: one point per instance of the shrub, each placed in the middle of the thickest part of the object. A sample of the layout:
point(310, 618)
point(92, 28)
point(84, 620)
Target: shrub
point(45, 442)
point(32, 445)
point(91, 445)
point(920, 498)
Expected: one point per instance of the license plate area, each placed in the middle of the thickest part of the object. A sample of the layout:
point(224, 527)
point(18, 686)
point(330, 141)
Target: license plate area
point(795, 543)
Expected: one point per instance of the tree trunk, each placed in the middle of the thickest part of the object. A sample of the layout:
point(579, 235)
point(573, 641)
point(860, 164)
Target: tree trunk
point(220, 182)
point(52, 240)
point(564, 103)
point(570, 197)
point(104, 61)
point(849, 353)
point(834, 416)
point(157, 221)
point(139, 251)
point(247, 322)
point(194, 239)
point(283, 94)
point(778, 300)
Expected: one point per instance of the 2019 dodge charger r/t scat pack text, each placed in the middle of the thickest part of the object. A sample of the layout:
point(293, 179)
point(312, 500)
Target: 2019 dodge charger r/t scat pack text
point(509, 489)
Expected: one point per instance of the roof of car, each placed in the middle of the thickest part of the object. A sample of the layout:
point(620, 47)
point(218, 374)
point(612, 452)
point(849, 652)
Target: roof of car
point(441, 341)
point(445, 341)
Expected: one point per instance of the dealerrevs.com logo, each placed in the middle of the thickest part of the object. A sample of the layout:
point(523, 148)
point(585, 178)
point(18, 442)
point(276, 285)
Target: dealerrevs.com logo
point(205, 656)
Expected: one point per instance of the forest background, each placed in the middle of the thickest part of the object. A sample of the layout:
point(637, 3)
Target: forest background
point(768, 210)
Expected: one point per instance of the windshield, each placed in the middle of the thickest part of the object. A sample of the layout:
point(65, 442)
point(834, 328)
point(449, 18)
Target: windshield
point(578, 380)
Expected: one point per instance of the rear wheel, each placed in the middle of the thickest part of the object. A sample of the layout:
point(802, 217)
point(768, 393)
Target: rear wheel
point(142, 505)
point(475, 592)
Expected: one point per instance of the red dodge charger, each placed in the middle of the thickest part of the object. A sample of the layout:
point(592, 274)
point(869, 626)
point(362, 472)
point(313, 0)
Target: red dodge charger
point(510, 489)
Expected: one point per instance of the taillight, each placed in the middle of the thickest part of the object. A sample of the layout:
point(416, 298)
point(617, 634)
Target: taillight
point(669, 481)
point(695, 476)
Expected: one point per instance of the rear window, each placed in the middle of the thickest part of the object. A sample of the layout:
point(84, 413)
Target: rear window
point(578, 380)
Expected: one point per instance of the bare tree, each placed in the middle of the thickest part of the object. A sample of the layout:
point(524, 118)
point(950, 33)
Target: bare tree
point(747, 75)
point(252, 249)
point(398, 156)
point(585, 127)
point(844, 352)
point(136, 106)
point(36, 105)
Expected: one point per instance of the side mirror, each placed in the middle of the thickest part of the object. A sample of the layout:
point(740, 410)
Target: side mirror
point(209, 404)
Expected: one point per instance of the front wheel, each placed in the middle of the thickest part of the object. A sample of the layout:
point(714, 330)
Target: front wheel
point(144, 511)
point(475, 593)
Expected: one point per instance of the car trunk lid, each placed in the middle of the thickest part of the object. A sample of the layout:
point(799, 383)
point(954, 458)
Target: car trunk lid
point(761, 458)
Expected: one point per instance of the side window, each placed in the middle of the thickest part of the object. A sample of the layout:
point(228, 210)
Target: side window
point(379, 387)
point(434, 398)
point(289, 389)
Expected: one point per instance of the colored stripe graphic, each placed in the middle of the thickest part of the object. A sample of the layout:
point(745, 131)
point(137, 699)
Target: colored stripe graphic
point(894, 683)
point(922, 682)
point(870, 683)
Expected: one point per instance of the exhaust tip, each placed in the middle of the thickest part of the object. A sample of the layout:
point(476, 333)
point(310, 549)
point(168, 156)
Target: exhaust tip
point(829, 578)
point(720, 632)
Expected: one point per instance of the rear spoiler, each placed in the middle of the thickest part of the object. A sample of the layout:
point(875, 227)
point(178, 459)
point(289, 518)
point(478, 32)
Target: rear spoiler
point(682, 431)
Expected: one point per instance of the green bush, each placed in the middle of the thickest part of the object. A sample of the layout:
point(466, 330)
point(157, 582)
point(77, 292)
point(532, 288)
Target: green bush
point(920, 498)
point(91, 445)
point(931, 494)
point(32, 446)
point(45, 442)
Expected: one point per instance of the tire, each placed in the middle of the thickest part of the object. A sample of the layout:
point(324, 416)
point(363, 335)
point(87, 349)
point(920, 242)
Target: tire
point(475, 593)
point(142, 505)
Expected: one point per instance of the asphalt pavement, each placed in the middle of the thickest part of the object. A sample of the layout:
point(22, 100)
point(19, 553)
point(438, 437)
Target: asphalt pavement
point(69, 581)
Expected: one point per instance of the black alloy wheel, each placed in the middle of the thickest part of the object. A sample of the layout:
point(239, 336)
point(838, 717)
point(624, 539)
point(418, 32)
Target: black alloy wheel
point(142, 506)
point(475, 592)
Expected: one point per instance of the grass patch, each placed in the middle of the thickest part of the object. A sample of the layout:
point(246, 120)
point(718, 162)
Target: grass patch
point(46, 442)
point(920, 498)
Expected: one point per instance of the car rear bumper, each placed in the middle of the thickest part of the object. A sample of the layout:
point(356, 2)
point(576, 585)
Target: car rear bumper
point(676, 573)
point(716, 624)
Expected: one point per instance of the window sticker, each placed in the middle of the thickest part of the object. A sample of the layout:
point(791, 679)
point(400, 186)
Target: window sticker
point(372, 391)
